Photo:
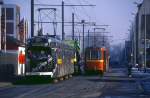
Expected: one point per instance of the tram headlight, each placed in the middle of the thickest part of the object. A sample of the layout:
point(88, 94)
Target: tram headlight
point(72, 61)
point(101, 61)
point(59, 61)
point(75, 59)
point(49, 40)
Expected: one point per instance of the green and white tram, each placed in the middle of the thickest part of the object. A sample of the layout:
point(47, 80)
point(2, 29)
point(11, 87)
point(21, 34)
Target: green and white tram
point(49, 56)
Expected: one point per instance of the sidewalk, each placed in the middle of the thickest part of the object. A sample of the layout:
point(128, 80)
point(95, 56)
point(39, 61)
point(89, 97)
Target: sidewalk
point(143, 78)
point(140, 73)
point(5, 84)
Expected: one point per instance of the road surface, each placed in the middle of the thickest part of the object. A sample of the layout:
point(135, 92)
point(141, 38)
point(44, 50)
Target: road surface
point(114, 84)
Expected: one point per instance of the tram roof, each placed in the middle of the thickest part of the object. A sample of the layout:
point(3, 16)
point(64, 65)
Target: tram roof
point(47, 39)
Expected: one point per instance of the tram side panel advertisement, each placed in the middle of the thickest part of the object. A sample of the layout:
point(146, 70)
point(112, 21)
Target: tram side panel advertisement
point(21, 61)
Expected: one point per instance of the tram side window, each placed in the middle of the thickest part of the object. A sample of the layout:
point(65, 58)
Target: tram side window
point(39, 40)
point(88, 55)
point(105, 56)
point(95, 55)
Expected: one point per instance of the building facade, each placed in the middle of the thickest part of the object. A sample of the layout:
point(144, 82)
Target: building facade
point(144, 31)
point(10, 17)
point(141, 34)
point(23, 30)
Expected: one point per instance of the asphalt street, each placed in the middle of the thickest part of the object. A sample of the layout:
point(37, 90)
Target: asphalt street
point(114, 84)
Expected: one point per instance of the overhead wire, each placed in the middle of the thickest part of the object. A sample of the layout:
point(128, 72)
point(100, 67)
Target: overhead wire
point(50, 18)
point(86, 14)
point(74, 10)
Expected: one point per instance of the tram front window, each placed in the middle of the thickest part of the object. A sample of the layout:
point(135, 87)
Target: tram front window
point(95, 55)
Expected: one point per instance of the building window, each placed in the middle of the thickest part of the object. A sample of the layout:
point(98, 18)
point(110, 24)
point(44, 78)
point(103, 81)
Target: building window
point(3, 12)
point(147, 25)
point(3, 20)
point(10, 13)
point(9, 28)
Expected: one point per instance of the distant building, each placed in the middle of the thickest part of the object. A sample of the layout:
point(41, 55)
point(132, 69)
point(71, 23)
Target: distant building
point(23, 30)
point(10, 17)
point(128, 51)
point(144, 21)
point(144, 26)
point(141, 26)
point(1, 2)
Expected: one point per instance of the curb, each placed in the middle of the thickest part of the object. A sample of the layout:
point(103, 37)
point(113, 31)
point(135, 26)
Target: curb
point(4, 84)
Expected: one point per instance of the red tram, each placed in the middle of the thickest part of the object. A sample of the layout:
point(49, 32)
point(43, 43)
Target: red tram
point(96, 59)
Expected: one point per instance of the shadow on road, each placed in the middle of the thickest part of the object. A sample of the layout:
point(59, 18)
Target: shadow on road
point(6, 73)
point(6, 78)
point(112, 79)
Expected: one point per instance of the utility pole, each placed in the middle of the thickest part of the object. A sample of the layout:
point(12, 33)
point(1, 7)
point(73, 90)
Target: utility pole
point(79, 38)
point(103, 40)
point(145, 46)
point(94, 39)
point(103, 43)
point(63, 33)
point(55, 24)
point(88, 38)
point(0, 29)
point(5, 35)
point(83, 21)
point(32, 18)
point(72, 26)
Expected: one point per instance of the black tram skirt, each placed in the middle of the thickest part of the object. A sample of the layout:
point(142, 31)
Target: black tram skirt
point(94, 72)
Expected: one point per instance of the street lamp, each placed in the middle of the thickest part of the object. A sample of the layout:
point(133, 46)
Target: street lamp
point(83, 22)
point(145, 41)
point(132, 37)
point(133, 41)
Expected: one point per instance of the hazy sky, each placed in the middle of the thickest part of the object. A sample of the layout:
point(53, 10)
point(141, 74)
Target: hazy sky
point(116, 13)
